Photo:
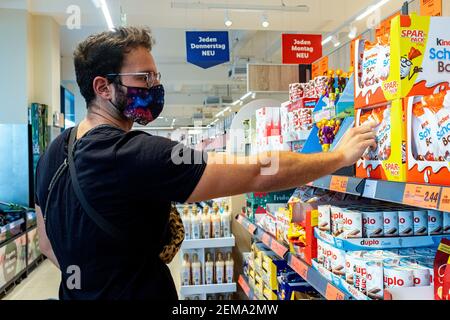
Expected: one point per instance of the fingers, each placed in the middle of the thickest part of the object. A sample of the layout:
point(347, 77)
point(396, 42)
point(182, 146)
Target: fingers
point(368, 135)
point(365, 128)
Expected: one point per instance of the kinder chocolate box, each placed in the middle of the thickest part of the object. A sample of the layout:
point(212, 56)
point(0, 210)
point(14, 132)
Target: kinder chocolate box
point(446, 223)
point(387, 161)
point(435, 222)
point(324, 217)
point(372, 222)
point(395, 276)
point(420, 222)
point(413, 60)
point(352, 221)
point(375, 281)
point(390, 226)
point(405, 223)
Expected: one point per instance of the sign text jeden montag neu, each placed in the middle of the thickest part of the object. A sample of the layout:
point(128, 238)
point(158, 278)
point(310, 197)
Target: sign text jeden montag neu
point(207, 49)
point(301, 48)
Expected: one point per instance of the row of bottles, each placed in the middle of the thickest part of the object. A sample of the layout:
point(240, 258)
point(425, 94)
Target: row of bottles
point(206, 225)
point(218, 271)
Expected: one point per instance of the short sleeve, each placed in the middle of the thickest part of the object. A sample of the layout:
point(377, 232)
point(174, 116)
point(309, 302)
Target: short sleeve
point(159, 168)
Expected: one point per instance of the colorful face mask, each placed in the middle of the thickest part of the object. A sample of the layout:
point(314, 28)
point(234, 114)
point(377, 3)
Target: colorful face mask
point(143, 105)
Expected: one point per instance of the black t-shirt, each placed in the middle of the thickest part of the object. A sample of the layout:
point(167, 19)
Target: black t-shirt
point(130, 179)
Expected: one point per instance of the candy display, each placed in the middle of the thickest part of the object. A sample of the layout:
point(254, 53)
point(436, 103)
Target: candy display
point(327, 132)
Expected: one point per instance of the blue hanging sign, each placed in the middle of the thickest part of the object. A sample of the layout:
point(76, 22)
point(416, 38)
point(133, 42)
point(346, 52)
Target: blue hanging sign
point(207, 49)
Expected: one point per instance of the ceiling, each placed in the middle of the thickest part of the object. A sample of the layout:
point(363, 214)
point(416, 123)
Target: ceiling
point(187, 86)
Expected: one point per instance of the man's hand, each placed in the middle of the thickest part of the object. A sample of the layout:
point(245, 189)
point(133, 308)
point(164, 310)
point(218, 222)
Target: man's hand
point(355, 142)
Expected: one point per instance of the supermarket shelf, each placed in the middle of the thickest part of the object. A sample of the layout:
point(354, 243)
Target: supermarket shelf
point(325, 287)
point(263, 236)
point(414, 194)
point(208, 288)
point(379, 243)
point(208, 243)
point(243, 283)
point(308, 273)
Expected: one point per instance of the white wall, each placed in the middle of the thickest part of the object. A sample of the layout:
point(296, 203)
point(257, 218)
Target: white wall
point(14, 65)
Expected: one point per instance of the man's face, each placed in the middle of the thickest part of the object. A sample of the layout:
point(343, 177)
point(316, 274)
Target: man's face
point(138, 60)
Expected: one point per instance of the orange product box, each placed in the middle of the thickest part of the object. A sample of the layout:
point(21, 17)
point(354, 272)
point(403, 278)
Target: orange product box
point(388, 160)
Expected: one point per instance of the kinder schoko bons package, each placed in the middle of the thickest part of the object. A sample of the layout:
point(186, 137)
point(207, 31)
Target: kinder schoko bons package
point(387, 161)
point(429, 138)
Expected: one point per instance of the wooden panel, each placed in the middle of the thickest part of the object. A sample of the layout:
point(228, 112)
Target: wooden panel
point(271, 78)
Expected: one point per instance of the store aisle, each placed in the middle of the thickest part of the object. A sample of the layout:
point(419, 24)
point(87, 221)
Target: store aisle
point(41, 284)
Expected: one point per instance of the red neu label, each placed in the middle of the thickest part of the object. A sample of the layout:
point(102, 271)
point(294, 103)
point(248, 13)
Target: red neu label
point(301, 48)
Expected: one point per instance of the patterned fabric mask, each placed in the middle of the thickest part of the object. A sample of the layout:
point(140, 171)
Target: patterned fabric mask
point(143, 105)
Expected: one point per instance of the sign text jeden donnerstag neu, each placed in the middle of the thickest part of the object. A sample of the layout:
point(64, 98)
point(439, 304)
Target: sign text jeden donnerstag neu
point(207, 49)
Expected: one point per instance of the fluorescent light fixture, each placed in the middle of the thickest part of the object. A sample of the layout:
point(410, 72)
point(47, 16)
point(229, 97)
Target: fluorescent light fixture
point(336, 42)
point(326, 40)
point(353, 31)
point(253, 95)
point(104, 6)
point(242, 7)
point(242, 103)
point(245, 96)
point(264, 21)
point(236, 103)
point(371, 9)
point(222, 112)
point(228, 21)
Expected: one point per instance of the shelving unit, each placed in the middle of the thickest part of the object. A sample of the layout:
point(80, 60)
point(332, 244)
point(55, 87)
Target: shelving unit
point(414, 194)
point(307, 272)
point(243, 283)
point(199, 245)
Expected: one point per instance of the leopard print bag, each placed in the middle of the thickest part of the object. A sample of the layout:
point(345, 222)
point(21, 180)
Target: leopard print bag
point(176, 235)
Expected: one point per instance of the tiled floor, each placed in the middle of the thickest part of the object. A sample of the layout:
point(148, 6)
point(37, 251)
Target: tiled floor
point(41, 284)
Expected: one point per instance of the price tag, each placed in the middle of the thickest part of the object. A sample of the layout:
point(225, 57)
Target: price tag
point(251, 228)
point(339, 184)
point(444, 205)
point(266, 239)
point(311, 184)
point(244, 285)
point(333, 293)
point(422, 196)
point(278, 248)
point(300, 267)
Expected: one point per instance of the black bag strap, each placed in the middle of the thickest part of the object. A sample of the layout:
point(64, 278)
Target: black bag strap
point(98, 219)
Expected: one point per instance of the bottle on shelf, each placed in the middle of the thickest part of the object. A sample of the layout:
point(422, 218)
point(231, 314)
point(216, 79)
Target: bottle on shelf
point(186, 271)
point(206, 223)
point(229, 268)
point(225, 220)
point(209, 269)
point(215, 220)
point(196, 224)
point(187, 223)
point(196, 270)
point(220, 268)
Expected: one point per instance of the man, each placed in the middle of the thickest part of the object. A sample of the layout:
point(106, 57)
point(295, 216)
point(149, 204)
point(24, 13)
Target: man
point(129, 177)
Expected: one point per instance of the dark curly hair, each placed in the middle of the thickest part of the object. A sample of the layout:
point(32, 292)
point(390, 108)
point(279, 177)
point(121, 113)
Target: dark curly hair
point(103, 53)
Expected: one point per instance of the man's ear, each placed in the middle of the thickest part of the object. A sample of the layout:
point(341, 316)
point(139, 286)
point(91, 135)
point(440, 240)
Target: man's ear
point(101, 88)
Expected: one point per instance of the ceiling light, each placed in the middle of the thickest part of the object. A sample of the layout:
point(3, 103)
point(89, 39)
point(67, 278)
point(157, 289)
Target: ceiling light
point(336, 42)
point(228, 21)
point(104, 6)
point(264, 21)
point(326, 40)
point(242, 103)
point(371, 9)
point(353, 31)
point(245, 96)
point(254, 95)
